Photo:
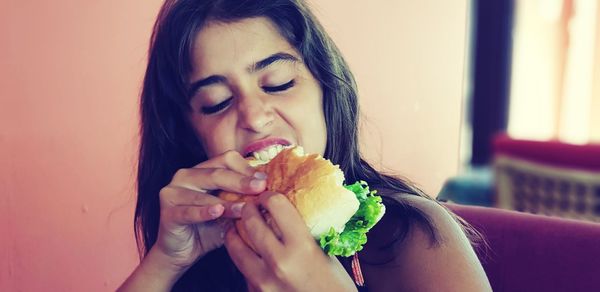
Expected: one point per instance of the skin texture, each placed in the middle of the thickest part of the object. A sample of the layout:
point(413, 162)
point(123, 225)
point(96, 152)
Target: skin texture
point(194, 223)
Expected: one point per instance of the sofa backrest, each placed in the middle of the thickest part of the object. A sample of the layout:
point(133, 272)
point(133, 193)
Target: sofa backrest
point(547, 177)
point(536, 253)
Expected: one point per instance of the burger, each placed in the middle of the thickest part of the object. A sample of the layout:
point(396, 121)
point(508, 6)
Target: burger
point(338, 216)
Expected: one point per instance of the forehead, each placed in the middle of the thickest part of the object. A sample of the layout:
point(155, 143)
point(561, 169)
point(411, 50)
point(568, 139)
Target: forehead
point(220, 47)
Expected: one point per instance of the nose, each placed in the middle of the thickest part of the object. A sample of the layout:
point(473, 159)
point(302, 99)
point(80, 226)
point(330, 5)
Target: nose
point(255, 113)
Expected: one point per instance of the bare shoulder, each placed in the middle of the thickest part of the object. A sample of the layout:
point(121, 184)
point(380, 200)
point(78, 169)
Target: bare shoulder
point(420, 262)
point(447, 229)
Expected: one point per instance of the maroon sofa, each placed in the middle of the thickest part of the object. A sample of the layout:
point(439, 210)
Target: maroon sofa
point(536, 253)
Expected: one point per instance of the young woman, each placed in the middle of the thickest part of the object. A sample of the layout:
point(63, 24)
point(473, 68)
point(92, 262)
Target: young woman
point(228, 78)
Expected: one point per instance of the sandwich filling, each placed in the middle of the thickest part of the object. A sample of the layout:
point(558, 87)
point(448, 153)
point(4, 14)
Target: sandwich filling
point(337, 215)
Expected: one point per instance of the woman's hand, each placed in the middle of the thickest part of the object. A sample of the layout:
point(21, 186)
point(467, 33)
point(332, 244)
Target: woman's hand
point(287, 261)
point(192, 222)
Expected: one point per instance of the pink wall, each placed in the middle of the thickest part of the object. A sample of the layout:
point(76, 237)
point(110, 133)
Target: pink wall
point(408, 58)
point(70, 75)
point(69, 81)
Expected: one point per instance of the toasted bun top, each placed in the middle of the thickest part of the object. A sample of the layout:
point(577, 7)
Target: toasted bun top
point(314, 186)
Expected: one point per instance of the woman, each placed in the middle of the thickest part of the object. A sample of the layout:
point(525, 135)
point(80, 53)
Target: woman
point(228, 78)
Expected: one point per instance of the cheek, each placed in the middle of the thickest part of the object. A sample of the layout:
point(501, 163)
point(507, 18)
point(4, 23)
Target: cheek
point(315, 133)
point(321, 131)
point(310, 121)
point(215, 137)
point(318, 116)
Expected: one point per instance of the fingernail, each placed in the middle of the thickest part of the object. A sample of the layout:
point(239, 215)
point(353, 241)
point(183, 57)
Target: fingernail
point(257, 183)
point(260, 175)
point(215, 210)
point(236, 208)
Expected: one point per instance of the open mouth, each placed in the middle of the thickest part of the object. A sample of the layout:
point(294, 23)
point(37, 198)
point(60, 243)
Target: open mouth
point(266, 154)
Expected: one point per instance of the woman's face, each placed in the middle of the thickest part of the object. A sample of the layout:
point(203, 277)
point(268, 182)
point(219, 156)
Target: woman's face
point(253, 91)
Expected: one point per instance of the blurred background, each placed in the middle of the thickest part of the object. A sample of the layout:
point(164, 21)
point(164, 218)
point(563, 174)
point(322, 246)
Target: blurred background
point(482, 102)
point(530, 139)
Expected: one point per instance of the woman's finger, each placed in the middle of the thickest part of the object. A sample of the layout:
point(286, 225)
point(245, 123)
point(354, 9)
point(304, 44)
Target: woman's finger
point(285, 216)
point(261, 236)
point(177, 196)
point(205, 179)
point(186, 215)
point(232, 160)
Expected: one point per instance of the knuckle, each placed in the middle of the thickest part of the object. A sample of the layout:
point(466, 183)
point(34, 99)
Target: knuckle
point(164, 192)
point(281, 269)
point(165, 195)
point(180, 175)
point(265, 283)
point(268, 286)
point(231, 156)
point(230, 159)
point(308, 249)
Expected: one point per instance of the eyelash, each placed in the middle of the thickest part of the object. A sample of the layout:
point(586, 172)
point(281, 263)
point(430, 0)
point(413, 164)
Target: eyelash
point(207, 110)
point(282, 87)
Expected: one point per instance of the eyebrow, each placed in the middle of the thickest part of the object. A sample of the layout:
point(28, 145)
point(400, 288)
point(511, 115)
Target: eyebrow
point(260, 65)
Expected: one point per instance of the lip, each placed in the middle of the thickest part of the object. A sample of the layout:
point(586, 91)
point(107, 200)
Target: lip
point(264, 143)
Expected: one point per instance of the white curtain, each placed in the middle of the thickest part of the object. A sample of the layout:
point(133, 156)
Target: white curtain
point(555, 90)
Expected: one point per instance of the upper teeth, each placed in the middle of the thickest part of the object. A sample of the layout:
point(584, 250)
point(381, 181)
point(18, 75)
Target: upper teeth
point(268, 153)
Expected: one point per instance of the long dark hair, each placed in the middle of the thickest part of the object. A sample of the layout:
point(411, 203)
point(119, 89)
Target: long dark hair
point(168, 142)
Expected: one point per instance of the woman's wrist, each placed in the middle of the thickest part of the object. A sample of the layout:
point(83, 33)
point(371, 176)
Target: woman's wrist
point(159, 265)
point(154, 273)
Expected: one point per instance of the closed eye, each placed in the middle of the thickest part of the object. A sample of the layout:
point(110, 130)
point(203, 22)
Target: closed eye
point(278, 88)
point(207, 110)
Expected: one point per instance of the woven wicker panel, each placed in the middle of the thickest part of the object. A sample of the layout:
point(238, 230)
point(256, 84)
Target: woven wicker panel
point(542, 189)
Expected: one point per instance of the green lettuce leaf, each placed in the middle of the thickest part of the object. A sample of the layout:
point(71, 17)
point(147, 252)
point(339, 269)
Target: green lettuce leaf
point(354, 235)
